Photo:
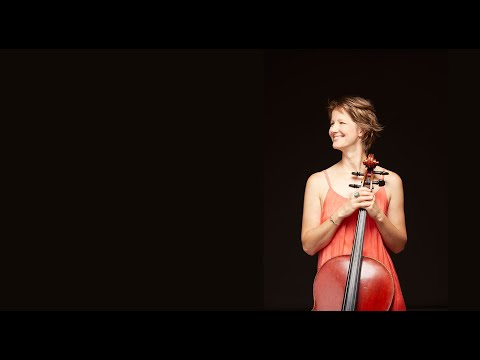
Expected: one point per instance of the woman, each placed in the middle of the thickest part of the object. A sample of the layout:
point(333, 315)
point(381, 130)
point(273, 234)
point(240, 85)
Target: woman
point(331, 206)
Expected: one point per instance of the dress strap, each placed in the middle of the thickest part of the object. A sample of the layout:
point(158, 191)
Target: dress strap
point(326, 176)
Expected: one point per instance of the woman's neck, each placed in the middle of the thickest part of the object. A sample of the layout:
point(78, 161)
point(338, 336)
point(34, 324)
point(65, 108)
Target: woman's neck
point(353, 161)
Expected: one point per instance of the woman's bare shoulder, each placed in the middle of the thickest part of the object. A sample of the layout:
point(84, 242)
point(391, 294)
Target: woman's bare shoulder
point(317, 180)
point(392, 180)
point(315, 176)
point(392, 176)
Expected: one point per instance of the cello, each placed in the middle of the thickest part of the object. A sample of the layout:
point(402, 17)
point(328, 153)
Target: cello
point(355, 282)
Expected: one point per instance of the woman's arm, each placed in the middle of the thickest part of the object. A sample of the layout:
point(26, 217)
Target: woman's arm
point(316, 236)
point(392, 225)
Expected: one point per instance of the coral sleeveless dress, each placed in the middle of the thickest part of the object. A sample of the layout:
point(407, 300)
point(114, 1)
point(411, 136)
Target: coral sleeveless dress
point(342, 241)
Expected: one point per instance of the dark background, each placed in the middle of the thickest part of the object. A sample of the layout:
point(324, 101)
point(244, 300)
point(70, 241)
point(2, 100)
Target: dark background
point(409, 89)
point(127, 175)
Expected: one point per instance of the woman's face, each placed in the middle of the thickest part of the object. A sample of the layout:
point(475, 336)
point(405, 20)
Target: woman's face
point(343, 131)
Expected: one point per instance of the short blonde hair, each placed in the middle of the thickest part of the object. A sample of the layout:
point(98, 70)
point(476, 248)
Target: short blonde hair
point(362, 113)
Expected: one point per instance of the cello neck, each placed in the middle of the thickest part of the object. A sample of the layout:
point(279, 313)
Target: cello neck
point(354, 269)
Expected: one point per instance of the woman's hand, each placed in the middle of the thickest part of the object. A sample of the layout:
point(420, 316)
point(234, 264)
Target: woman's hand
point(360, 198)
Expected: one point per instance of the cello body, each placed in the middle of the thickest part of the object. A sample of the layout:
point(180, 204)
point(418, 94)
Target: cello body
point(375, 291)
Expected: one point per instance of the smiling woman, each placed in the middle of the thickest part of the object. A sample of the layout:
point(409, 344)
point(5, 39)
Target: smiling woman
point(355, 116)
point(331, 212)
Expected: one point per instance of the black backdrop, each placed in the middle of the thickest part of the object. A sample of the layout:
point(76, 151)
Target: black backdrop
point(409, 90)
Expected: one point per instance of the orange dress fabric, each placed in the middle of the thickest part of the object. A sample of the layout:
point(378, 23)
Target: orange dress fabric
point(342, 241)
